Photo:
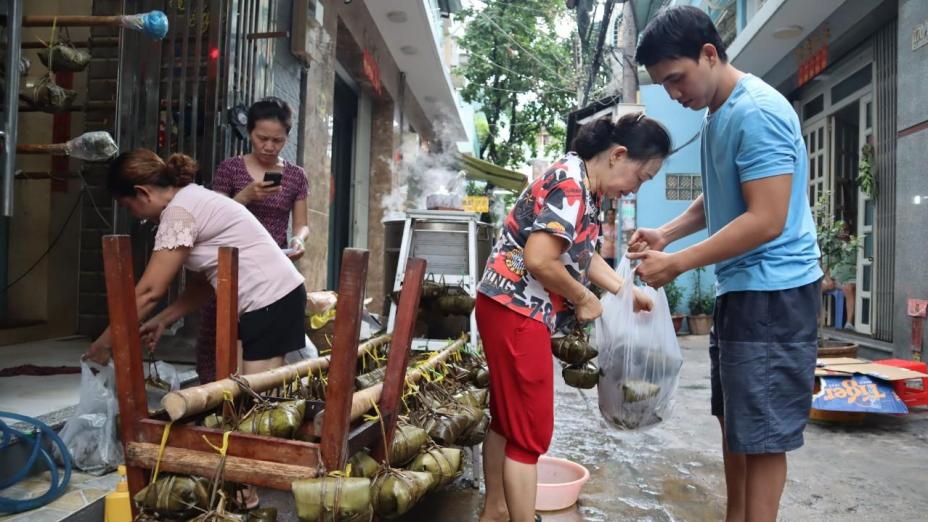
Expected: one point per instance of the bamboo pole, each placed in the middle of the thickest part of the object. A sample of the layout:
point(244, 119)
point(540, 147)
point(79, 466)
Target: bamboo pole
point(198, 399)
point(53, 149)
point(72, 21)
point(237, 469)
point(362, 400)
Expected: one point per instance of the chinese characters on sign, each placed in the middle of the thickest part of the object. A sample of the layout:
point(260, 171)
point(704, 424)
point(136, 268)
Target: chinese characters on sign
point(477, 204)
point(371, 71)
point(812, 55)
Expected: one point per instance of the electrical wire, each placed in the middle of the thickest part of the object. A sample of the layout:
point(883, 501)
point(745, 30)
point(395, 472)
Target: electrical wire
point(513, 40)
point(50, 246)
point(85, 191)
point(86, 188)
point(525, 27)
point(521, 75)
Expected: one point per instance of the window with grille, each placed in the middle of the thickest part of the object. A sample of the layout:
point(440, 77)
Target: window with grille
point(683, 186)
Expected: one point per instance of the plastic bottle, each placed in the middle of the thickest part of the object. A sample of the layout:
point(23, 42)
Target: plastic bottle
point(118, 507)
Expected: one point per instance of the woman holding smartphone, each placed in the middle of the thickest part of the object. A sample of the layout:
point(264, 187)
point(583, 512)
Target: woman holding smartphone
point(273, 189)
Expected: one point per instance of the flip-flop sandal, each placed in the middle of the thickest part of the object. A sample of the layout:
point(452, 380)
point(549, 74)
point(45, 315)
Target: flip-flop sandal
point(537, 517)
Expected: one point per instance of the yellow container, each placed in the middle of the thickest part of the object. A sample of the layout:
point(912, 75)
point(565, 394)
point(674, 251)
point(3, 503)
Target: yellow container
point(118, 507)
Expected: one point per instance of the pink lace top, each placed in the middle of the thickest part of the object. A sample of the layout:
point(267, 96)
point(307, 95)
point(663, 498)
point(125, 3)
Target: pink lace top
point(274, 213)
point(203, 221)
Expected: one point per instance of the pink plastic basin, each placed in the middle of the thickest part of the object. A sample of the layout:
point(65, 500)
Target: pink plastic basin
point(559, 483)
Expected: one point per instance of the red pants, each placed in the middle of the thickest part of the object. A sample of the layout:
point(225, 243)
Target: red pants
point(518, 351)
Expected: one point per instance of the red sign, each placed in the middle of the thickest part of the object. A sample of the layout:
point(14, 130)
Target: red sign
point(812, 55)
point(371, 71)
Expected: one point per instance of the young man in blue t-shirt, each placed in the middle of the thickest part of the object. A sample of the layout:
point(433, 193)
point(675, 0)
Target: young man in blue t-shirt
point(763, 244)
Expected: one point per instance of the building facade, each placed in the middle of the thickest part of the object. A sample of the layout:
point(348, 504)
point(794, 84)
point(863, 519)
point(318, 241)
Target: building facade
point(370, 85)
point(853, 72)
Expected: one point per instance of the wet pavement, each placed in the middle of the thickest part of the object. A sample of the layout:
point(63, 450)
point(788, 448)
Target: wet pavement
point(673, 471)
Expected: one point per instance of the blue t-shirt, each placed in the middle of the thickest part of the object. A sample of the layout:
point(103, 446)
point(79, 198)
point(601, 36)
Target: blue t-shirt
point(756, 134)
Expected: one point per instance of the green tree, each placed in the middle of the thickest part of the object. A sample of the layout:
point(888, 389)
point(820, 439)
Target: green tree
point(520, 74)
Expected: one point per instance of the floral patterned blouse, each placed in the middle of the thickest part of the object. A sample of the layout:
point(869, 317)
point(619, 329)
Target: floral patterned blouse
point(557, 203)
point(274, 212)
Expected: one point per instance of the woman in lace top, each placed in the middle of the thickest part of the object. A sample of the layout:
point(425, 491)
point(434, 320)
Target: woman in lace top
point(193, 223)
point(242, 178)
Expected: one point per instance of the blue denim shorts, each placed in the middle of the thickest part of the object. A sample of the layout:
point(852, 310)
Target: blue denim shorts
point(763, 348)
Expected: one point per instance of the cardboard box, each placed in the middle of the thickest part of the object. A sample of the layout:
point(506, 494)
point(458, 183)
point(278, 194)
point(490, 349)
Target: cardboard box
point(849, 366)
point(857, 393)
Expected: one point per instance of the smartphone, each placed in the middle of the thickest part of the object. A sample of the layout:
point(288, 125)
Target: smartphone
point(274, 177)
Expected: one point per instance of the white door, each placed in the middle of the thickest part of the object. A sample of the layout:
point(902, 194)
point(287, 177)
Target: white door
point(816, 144)
point(865, 305)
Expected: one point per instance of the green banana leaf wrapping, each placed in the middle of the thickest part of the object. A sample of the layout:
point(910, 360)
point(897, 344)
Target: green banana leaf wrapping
point(477, 434)
point(573, 348)
point(482, 378)
point(175, 495)
point(443, 463)
point(451, 421)
point(460, 373)
point(212, 421)
point(407, 440)
point(637, 391)
point(281, 421)
point(47, 96)
point(64, 58)
point(363, 465)
point(476, 397)
point(396, 491)
point(366, 380)
point(456, 304)
point(432, 290)
point(332, 499)
point(583, 376)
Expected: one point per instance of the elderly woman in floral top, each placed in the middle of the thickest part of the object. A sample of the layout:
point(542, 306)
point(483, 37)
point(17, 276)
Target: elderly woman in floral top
point(277, 206)
point(536, 282)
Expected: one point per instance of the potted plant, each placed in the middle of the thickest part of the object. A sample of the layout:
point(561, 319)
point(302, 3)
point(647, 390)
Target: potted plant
point(701, 305)
point(674, 297)
point(835, 244)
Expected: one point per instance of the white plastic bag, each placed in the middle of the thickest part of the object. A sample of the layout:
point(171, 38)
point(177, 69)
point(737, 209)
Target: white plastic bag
point(639, 358)
point(90, 435)
point(307, 352)
point(92, 146)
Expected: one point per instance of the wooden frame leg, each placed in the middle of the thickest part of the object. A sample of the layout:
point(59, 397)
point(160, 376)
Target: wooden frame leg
point(343, 365)
point(127, 346)
point(227, 313)
point(395, 378)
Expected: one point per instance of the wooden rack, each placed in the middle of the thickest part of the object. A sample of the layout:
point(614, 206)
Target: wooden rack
point(254, 459)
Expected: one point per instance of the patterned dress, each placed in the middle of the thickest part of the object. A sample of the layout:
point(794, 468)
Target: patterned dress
point(557, 203)
point(274, 213)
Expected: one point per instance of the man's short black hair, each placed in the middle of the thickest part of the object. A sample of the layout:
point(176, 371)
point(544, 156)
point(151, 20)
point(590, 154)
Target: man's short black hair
point(678, 32)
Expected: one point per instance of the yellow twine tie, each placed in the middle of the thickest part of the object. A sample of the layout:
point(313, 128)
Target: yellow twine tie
point(225, 443)
point(164, 443)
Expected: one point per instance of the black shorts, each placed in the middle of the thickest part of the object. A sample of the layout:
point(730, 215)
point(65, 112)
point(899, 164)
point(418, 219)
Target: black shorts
point(763, 348)
point(276, 329)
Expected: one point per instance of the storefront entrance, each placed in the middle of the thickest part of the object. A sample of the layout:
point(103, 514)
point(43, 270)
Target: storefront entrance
point(345, 115)
point(838, 124)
